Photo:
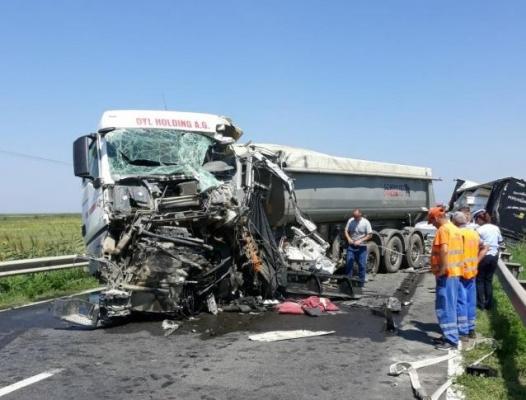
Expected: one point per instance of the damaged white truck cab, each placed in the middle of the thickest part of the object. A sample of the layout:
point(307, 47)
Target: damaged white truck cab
point(176, 216)
point(160, 143)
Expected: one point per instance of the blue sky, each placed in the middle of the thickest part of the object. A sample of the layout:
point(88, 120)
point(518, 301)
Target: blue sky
point(432, 83)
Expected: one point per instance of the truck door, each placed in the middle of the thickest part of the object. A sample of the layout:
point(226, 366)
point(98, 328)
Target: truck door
point(93, 215)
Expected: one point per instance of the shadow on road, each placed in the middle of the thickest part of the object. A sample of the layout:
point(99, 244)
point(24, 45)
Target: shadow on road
point(420, 332)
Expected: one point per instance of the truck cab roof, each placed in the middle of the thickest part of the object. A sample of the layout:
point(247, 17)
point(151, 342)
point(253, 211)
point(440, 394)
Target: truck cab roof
point(215, 126)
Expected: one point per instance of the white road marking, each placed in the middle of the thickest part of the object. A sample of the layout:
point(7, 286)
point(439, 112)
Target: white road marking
point(28, 381)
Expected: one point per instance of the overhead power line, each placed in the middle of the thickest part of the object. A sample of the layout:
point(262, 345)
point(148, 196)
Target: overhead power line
point(33, 157)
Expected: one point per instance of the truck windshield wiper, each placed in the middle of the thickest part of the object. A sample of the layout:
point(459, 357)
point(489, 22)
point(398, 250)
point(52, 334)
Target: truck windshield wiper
point(145, 162)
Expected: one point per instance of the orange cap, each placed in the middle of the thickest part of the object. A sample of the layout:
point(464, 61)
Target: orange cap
point(435, 213)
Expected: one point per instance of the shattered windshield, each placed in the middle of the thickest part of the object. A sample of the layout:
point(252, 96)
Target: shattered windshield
point(139, 152)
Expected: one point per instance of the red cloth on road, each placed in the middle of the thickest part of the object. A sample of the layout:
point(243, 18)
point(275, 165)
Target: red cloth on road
point(289, 307)
point(322, 303)
point(293, 307)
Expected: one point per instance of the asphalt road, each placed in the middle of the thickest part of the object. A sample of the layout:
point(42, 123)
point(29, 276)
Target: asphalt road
point(212, 358)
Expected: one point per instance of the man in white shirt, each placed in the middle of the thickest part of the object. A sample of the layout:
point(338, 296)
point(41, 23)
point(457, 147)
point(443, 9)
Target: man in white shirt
point(357, 232)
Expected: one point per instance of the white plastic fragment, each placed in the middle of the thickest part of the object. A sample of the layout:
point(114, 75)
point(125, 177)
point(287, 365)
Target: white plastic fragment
point(269, 302)
point(274, 336)
point(169, 327)
point(211, 304)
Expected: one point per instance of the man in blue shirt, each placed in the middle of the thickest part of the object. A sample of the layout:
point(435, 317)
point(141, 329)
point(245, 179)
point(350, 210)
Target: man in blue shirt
point(357, 232)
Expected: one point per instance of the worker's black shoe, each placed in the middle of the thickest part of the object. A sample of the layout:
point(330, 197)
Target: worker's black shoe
point(472, 335)
point(446, 346)
point(438, 340)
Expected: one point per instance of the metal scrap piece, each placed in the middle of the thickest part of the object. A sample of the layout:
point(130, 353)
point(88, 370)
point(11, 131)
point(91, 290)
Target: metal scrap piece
point(393, 304)
point(77, 311)
point(169, 326)
point(274, 336)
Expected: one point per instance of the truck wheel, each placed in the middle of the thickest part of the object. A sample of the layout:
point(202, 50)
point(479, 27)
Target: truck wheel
point(393, 254)
point(415, 251)
point(373, 258)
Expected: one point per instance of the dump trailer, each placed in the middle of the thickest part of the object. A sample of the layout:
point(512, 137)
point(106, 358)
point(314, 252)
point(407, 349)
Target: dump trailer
point(327, 189)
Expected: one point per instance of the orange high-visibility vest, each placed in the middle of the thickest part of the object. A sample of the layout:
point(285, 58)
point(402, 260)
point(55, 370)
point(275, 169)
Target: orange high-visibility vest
point(448, 234)
point(471, 252)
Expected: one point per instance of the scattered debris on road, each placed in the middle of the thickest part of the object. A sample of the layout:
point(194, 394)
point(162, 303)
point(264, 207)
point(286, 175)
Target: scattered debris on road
point(76, 311)
point(455, 368)
point(275, 336)
point(410, 368)
point(393, 304)
point(169, 326)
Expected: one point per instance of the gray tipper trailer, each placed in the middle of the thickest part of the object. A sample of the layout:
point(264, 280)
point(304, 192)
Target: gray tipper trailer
point(392, 197)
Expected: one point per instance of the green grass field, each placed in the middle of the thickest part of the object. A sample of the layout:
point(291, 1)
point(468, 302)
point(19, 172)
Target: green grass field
point(29, 236)
point(502, 324)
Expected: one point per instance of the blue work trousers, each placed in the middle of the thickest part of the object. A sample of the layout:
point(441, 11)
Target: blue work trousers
point(446, 307)
point(358, 254)
point(466, 305)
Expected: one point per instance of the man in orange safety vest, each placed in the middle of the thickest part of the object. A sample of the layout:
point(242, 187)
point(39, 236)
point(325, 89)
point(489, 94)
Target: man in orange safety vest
point(447, 260)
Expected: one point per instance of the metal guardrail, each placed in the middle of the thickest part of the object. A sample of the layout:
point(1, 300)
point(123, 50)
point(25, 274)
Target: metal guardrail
point(43, 264)
point(513, 288)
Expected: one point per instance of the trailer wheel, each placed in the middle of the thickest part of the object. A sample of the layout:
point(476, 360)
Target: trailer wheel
point(415, 251)
point(373, 258)
point(393, 254)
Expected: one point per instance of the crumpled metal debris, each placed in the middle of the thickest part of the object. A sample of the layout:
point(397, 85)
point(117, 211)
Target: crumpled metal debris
point(169, 326)
point(393, 304)
point(248, 304)
point(77, 311)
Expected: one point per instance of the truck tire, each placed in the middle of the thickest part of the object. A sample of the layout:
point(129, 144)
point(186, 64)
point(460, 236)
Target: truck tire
point(415, 251)
point(373, 258)
point(393, 257)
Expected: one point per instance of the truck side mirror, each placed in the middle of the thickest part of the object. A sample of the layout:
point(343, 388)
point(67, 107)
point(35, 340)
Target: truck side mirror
point(80, 157)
